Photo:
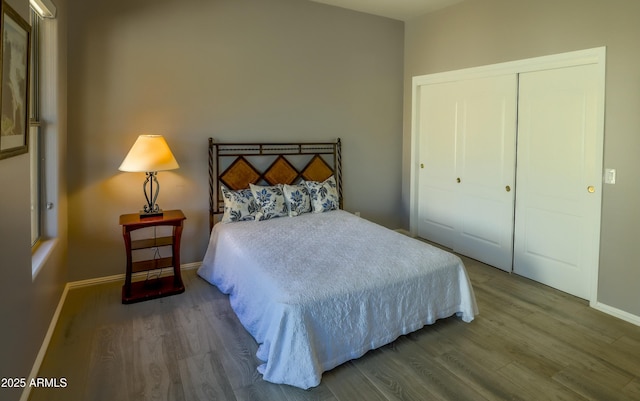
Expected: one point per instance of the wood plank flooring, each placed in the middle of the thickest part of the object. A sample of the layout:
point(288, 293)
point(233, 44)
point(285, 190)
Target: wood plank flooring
point(529, 342)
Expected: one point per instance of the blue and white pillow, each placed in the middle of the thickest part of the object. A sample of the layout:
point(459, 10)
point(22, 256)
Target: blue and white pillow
point(238, 205)
point(298, 199)
point(270, 201)
point(324, 195)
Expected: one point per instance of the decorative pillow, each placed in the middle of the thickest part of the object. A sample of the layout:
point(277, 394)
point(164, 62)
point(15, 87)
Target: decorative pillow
point(324, 195)
point(298, 199)
point(238, 205)
point(270, 201)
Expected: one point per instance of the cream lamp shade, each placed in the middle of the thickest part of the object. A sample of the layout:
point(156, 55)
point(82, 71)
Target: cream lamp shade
point(150, 154)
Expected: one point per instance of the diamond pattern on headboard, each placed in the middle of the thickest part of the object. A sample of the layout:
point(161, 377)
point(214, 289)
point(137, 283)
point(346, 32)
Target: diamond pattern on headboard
point(281, 172)
point(239, 174)
point(317, 170)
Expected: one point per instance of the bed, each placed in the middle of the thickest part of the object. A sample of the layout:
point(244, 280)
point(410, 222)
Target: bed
point(319, 288)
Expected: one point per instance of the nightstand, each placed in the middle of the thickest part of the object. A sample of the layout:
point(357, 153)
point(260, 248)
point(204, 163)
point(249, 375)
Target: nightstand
point(156, 287)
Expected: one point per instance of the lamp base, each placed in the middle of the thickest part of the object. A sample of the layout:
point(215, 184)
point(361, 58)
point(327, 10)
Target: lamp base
point(151, 209)
point(155, 213)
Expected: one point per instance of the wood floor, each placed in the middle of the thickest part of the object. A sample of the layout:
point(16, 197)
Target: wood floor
point(529, 342)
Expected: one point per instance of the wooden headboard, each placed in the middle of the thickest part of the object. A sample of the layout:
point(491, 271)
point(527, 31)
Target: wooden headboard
point(236, 165)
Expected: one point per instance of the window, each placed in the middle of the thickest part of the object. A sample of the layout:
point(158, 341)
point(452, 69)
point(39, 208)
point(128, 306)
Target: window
point(35, 148)
point(43, 133)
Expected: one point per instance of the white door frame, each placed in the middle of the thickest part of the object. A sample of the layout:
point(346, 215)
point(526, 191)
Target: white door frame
point(570, 59)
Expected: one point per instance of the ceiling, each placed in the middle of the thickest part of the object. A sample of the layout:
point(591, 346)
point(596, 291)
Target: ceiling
point(397, 9)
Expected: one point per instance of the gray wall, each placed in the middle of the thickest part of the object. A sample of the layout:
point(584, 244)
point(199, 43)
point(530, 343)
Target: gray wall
point(237, 70)
point(481, 32)
point(26, 305)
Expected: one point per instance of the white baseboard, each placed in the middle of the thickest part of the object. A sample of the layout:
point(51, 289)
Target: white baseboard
point(620, 314)
point(134, 277)
point(56, 315)
point(45, 344)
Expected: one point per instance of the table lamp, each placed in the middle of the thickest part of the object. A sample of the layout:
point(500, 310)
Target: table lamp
point(150, 154)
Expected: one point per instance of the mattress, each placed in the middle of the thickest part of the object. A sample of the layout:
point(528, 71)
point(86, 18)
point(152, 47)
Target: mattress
point(320, 289)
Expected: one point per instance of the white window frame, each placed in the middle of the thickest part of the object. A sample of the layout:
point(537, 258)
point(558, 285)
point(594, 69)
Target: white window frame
point(44, 170)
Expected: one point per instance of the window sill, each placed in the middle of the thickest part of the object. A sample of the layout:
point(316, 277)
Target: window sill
point(41, 255)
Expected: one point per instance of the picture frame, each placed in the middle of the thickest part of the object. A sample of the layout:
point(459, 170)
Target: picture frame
point(15, 50)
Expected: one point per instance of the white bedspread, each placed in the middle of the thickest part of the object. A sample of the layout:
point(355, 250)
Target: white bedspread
point(318, 290)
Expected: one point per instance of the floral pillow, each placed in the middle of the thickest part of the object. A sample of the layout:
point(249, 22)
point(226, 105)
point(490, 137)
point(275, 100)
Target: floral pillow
point(324, 195)
point(270, 201)
point(298, 199)
point(238, 205)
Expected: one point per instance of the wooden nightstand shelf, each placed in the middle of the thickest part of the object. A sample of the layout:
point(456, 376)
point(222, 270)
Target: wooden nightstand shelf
point(157, 287)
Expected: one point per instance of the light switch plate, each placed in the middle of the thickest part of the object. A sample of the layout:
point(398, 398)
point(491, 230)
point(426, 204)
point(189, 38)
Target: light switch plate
point(609, 175)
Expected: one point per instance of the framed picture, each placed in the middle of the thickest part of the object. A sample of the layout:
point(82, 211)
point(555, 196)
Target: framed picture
point(14, 80)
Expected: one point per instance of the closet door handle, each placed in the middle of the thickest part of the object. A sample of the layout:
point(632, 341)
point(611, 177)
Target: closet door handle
point(591, 189)
point(507, 188)
point(458, 180)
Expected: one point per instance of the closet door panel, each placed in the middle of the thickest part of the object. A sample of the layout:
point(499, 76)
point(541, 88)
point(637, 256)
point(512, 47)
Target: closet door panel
point(559, 178)
point(486, 165)
point(438, 125)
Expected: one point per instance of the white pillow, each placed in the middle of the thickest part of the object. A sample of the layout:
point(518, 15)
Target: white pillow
point(238, 205)
point(324, 195)
point(270, 201)
point(298, 199)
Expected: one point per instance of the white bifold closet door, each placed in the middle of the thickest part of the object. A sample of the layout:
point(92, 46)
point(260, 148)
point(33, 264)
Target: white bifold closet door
point(467, 133)
point(559, 178)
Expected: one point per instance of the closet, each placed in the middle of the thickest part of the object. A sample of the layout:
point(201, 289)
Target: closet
point(507, 166)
